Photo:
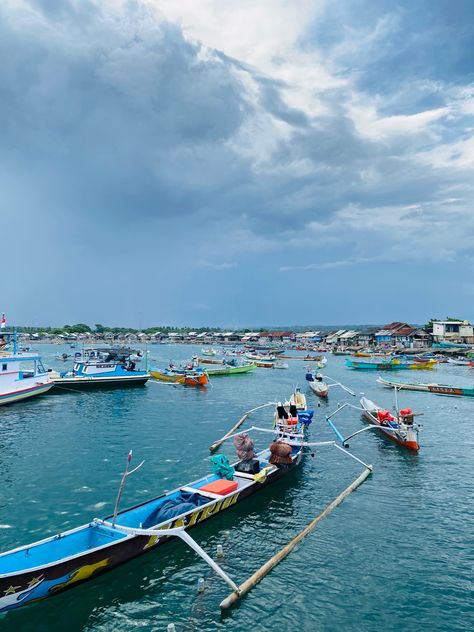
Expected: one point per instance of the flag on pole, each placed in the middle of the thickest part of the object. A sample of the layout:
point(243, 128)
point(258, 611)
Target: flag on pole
point(4, 322)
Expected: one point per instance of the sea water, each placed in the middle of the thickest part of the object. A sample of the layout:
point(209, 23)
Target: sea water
point(396, 555)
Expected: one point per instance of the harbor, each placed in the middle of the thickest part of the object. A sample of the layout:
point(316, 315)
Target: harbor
point(236, 348)
point(65, 452)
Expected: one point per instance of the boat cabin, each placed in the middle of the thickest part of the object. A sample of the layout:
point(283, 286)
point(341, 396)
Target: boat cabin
point(106, 361)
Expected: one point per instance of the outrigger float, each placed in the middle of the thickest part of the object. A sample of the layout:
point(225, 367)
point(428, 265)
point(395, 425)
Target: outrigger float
point(47, 567)
point(437, 389)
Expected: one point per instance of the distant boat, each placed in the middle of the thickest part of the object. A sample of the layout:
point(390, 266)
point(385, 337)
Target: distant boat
point(459, 361)
point(209, 352)
point(18, 381)
point(107, 367)
point(188, 377)
point(260, 357)
point(437, 389)
point(392, 364)
point(227, 369)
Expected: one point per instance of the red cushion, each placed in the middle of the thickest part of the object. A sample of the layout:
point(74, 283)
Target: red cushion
point(221, 486)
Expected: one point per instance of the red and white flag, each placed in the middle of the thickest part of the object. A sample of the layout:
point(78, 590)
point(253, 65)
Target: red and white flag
point(4, 322)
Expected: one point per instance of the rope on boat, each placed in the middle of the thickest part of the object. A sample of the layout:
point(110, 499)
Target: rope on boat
point(248, 584)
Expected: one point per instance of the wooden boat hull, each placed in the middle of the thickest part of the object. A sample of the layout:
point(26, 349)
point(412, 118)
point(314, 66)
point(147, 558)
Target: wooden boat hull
point(437, 389)
point(394, 365)
point(63, 384)
point(23, 587)
point(410, 441)
point(181, 378)
point(231, 370)
point(321, 389)
point(196, 380)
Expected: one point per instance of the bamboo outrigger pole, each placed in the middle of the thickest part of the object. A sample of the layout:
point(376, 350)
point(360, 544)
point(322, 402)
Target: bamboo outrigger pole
point(220, 441)
point(248, 584)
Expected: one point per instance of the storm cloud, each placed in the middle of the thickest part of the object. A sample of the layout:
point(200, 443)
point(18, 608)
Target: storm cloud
point(178, 152)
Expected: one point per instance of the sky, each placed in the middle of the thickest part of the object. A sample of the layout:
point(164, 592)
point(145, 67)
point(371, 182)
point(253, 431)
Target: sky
point(212, 162)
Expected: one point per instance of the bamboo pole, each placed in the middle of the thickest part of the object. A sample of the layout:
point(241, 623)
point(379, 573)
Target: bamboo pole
point(249, 583)
point(220, 441)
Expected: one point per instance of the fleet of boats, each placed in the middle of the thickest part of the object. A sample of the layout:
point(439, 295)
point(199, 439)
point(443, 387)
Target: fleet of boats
point(47, 567)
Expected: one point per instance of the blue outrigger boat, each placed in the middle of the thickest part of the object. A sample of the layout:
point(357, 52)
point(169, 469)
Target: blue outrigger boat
point(47, 567)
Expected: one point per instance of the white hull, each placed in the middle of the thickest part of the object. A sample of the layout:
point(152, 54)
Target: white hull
point(321, 389)
point(24, 393)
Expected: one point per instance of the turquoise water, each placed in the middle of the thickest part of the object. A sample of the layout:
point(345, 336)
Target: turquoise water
point(396, 555)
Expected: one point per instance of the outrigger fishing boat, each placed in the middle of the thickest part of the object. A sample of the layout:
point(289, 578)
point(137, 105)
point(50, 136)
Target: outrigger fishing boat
point(107, 367)
point(437, 389)
point(400, 428)
point(49, 566)
point(392, 364)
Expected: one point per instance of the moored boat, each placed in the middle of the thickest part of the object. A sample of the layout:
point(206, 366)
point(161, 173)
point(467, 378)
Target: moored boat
point(228, 369)
point(22, 374)
point(317, 384)
point(437, 389)
point(189, 376)
point(298, 400)
point(59, 562)
point(104, 367)
point(401, 428)
point(393, 364)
